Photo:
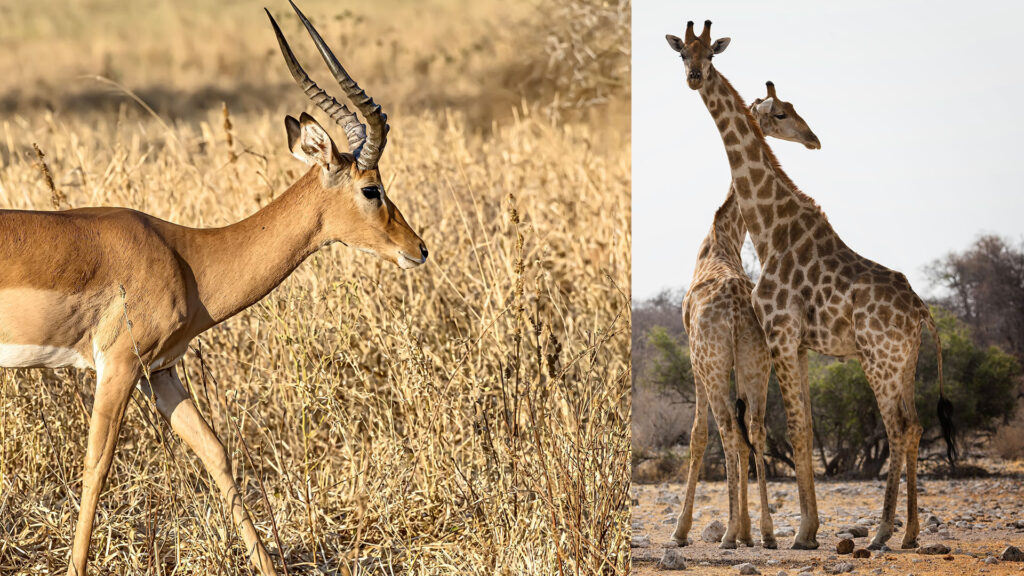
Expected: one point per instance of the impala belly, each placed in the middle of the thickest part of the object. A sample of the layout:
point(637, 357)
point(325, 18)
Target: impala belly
point(39, 329)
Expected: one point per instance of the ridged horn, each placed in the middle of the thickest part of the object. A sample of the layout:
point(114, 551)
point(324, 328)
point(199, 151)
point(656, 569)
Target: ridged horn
point(355, 132)
point(376, 121)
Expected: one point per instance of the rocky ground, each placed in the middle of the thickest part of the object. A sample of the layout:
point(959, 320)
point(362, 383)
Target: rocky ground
point(976, 519)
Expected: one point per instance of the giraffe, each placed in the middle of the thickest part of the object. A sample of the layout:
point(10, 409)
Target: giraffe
point(815, 293)
point(724, 335)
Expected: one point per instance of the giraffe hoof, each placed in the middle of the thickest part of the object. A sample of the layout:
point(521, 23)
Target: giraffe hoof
point(727, 544)
point(680, 542)
point(748, 542)
point(909, 545)
point(771, 544)
point(875, 546)
point(805, 545)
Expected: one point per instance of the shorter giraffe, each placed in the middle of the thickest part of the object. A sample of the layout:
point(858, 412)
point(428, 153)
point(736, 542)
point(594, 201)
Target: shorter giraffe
point(725, 335)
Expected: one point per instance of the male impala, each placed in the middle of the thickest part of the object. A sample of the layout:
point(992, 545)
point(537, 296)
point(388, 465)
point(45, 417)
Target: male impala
point(70, 280)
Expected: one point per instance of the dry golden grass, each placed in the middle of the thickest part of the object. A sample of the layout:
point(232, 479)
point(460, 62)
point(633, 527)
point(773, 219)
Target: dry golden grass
point(470, 416)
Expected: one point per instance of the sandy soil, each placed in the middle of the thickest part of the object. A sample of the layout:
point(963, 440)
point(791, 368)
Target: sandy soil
point(977, 516)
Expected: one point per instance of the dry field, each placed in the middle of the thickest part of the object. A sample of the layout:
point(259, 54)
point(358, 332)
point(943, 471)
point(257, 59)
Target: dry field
point(467, 417)
point(979, 518)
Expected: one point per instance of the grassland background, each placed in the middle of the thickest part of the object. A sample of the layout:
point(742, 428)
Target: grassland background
point(470, 416)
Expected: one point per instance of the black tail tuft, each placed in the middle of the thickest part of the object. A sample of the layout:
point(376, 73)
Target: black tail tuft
point(741, 412)
point(948, 430)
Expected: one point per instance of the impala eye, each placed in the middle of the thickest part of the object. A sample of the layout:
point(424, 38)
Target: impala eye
point(781, 116)
point(372, 192)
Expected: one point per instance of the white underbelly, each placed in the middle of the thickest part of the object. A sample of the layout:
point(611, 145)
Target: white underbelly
point(35, 356)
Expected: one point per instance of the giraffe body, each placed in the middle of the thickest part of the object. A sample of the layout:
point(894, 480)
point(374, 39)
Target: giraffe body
point(724, 335)
point(815, 293)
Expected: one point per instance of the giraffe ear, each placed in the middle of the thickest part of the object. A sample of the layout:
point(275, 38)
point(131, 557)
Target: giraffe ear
point(719, 46)
point(765, 106)
point(675, 42)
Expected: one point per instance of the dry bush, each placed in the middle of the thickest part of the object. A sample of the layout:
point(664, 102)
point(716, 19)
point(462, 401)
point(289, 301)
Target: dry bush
point(470, 416)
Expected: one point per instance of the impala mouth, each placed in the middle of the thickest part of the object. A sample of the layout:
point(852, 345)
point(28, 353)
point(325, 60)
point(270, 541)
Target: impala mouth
point(406, 262)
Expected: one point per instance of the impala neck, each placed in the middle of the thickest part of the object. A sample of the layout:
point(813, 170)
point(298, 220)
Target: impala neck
point(767, 199)
point(237, 265)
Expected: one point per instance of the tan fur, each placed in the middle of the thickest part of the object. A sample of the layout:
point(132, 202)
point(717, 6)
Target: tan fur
point(815, 293)
point(72, 280)
point(724, 334)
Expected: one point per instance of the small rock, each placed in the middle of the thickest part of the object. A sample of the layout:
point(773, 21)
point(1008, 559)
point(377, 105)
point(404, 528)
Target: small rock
point(1012, 554)
point(855, 530)
point(932, 519)
point(785, 532)
point(713, 532)
point(747, 568)
point(782, 573)
point(845, 546)
point(805, 570)
point(640, 541)
point(772, 562)
point(672, 559)
point(933, 549)
point(840, 568)
point(991, 560)
point(861, 553)
point(845, 536)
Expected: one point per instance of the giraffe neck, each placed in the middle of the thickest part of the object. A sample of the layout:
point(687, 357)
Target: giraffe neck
point(725, 240)
point(775, 213)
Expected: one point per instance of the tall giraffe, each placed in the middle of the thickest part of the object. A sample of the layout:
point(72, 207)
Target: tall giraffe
point(815, 293)
point(725, 335)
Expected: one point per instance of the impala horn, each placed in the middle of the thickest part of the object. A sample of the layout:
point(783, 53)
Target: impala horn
point(366, 142)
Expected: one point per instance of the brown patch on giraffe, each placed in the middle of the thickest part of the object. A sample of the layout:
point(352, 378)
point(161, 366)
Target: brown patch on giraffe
point(787, 209)
point(765, 191)
point(804, 252)
point(782, 298)
point(779, 239)
point(752, 151)
point(786, 265)
point(734, 157)
point(730, 139)
point(743, 128)
point(757, 175)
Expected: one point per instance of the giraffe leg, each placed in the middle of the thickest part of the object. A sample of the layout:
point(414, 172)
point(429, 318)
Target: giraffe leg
point(177, 408)
point(889, 396)
point(114, 381)
point(721, 407)
point(913, 440)
point(698, 443)
point(753, 369)
point(791, 369)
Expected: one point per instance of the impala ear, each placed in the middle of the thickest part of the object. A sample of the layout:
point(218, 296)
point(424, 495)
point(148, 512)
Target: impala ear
point(309, 142)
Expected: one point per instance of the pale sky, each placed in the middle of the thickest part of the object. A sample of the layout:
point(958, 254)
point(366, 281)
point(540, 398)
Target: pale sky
point(918, 106)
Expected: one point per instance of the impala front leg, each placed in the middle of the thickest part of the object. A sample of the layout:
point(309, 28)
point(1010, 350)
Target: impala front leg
point(177, 408)
point(114, 382)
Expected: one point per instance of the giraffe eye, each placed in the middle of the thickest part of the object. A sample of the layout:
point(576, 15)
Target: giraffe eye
point(781, 116)
point(371, 192)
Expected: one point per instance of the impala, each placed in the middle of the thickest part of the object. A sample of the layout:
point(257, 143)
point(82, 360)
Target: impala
point(71, 280)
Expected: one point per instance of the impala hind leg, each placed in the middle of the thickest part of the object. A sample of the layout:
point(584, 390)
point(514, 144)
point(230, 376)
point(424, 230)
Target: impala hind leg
point(698, 443)
point(177, 408)
point(114, 382)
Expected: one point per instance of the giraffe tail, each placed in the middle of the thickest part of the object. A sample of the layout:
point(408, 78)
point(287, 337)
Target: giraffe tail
point(945, 407)
point(741, 421)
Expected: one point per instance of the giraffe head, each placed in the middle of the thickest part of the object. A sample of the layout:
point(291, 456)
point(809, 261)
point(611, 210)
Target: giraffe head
point(697, 52)
point(779, 119)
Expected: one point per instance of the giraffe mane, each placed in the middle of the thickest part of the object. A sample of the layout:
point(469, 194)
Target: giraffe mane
point(766, 150)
